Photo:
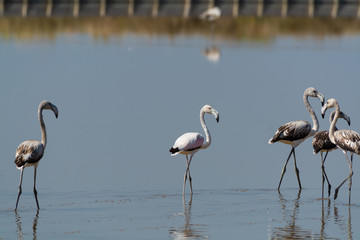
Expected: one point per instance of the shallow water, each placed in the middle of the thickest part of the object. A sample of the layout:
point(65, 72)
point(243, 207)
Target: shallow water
point(126, 89)
point(210, 214)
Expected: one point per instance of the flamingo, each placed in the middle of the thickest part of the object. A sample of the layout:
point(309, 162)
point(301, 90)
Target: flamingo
point(321, 143)
point(295, 132)
point(346, 140)
point(211, 14)
point(191, 142)
point(212, 54)
point(30, 152)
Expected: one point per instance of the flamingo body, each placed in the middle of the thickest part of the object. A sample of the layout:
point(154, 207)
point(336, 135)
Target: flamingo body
point(293, 133)
point(348, 140)
point(187, 143)
point(211, 14)
point(29, 153)
point(322, 143)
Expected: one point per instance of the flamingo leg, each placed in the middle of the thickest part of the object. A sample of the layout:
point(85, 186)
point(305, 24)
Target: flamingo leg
point(212, 27)
point(185, 176)
point(350, 180)
point(325, 175)
point(284, 168)
point(188, 170)
point(35, 192)
point(296, 169)
point(350, 175)
point(19, 191)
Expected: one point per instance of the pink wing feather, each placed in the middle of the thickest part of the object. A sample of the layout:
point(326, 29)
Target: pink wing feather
point(188, 142)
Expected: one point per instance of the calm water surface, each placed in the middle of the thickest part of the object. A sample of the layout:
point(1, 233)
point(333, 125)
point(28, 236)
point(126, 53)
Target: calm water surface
point(211, 214)
point(125, 97)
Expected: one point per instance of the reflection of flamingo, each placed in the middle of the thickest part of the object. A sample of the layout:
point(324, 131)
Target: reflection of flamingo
point(291, 230)
point(323, 220)
point(341, 223)
point(212, 54)
point(189, 231)
point(296, 132)
point(321, 143)
point(211, 14)
point(30, 152)
point(349, 224)
point(190, 143)
point(19, 225)
point(346, 140)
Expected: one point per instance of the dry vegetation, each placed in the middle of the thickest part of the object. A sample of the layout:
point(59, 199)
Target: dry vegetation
point(230, 29)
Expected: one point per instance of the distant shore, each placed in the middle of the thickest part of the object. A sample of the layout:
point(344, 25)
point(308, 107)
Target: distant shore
point(231, 29)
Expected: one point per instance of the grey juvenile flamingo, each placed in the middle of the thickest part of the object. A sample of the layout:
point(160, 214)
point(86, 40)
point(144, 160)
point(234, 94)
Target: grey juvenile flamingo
point(30, 152)
point(295, 132)
point(346, 140)
point(321, 143)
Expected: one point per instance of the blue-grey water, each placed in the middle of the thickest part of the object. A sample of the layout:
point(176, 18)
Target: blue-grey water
point(211, 214)
point(123, 101)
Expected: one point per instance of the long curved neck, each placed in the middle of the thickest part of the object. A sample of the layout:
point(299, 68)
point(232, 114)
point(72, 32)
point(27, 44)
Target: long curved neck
point(312, 113)
point(331, 119)
point(207, 133)
point(42, 126)
point(333, 123)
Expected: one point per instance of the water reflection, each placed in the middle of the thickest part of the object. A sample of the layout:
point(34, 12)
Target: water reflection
point(211, 14)
point(340, 222)
point(324, 217)
point(349, 224)
point(289, 214)
point(292, 230)
point(189, 231)
point(19, 225)
point(212, 54)
point(185, 8)
point(19, 230)
point(231, 29)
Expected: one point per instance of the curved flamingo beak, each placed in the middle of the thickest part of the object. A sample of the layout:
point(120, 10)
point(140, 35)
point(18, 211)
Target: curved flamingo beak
point(321, 97)
point(216, 114)
point(55, 110)
point(323, 110)
point(346, 117)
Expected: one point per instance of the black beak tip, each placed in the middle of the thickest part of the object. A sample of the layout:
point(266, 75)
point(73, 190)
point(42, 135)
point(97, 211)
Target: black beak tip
point(323, 115)
point(217, 119)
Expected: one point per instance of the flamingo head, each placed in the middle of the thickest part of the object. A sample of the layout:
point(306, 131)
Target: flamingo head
point(312, 92)
point(49, 106)
point(210, 110)
point(331, 103)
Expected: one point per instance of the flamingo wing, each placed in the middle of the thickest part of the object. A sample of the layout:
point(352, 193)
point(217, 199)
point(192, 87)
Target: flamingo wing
point(321, 142)
point(347, 140)
point(292, 131)
point(28, 152)
point(187, 142)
